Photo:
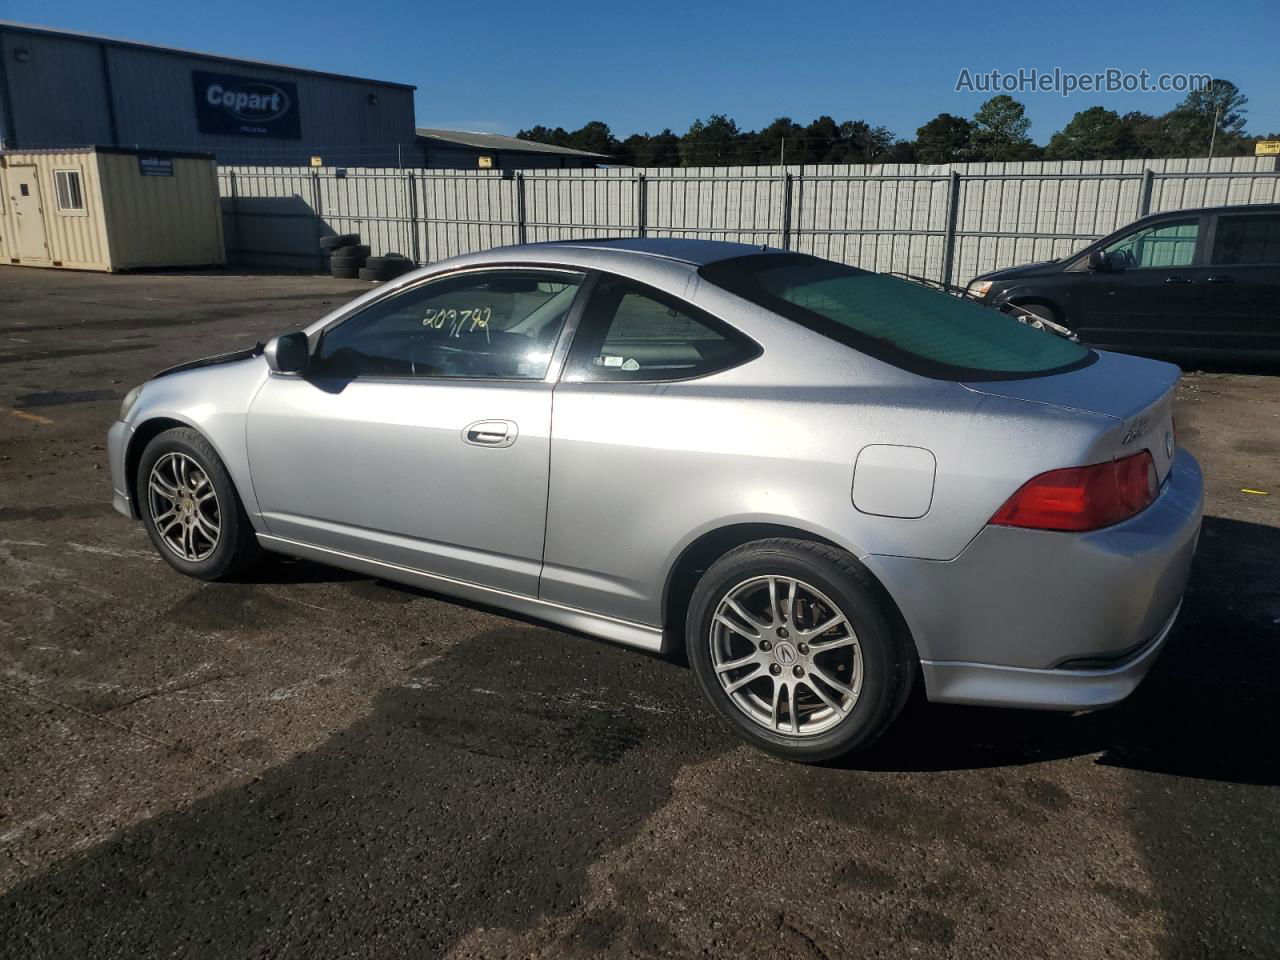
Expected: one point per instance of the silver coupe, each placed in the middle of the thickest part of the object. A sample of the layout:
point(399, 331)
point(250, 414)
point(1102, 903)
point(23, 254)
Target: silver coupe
point(823, 485)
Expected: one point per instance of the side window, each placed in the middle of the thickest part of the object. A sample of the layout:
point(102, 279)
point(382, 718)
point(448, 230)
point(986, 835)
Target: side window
point(70, 193)
point(499, 324)
point(1247, 239)
point(633, 332)
point(1164, 245)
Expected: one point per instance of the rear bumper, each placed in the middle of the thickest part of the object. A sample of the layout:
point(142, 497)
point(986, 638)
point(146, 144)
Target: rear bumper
point(985, 684)
point(1048, 620)
point(117, 446)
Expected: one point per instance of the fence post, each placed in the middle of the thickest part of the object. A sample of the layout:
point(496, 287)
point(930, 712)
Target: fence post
point(520, 228)
point(411, 184)
point(786, 211)
point(318, 210)
point(641, 200)
point(235, 212)
point(953, 217)
point(1144, 196)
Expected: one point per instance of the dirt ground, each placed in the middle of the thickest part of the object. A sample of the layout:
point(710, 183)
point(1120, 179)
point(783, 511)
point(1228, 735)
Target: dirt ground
point(321, 765)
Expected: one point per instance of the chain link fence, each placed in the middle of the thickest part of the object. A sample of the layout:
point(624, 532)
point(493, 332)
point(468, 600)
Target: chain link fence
point(945, 223)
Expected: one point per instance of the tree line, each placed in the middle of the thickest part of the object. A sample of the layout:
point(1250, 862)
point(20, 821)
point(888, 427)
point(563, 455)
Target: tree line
point(1208, 122)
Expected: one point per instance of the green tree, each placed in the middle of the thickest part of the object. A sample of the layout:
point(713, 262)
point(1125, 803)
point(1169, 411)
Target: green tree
point(1220, 98)
point(660, 150)
point(769, 142)
point(944, 139)
point(594, 137)
point(715, 142)
point(1000, 130)
point(1093, 134)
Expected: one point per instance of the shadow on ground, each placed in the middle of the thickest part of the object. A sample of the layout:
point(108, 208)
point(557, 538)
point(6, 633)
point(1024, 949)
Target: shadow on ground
point(476, 795)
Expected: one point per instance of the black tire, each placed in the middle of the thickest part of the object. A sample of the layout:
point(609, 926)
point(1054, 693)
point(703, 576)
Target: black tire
point(345, 273)
point(888, 660)
point(339, 240)
point(236, 549)
point(360, 250)
point(374, 276)
point(391, 259)
point(350, 263)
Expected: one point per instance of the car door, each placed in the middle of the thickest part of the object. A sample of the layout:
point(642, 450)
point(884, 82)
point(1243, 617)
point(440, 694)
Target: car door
point(625, 483)
point(1151, 295)
point(419, 434)
point(1243, 283)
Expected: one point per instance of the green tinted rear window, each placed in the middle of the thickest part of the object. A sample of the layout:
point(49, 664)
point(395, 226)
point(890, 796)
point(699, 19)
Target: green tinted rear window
point(904, 323)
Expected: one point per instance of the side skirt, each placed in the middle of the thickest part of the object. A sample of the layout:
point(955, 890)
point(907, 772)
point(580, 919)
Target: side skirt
point(606, 628)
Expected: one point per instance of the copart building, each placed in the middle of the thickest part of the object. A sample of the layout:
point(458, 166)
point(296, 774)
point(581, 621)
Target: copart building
point(61, 89)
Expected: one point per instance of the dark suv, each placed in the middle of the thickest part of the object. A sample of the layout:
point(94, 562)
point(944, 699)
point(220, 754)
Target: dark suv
point(1192, 282)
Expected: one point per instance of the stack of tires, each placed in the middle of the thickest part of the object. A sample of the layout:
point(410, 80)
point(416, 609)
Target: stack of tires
point(347, 255)
point(349, 260)
point(386, 267)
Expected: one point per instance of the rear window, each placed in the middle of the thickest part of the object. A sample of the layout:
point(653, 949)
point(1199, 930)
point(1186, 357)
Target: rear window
point(911, 326)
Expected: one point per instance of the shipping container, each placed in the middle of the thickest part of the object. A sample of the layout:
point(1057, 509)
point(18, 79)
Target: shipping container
point(109, 208)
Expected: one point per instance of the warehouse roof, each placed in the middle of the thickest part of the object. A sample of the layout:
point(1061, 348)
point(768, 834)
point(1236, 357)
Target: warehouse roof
point(98, 38)
point(497, 141)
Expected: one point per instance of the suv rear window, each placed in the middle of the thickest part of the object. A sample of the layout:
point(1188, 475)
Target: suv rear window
point(903, 323)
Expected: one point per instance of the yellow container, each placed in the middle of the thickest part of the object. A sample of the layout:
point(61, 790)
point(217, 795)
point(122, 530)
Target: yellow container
point(106, 208)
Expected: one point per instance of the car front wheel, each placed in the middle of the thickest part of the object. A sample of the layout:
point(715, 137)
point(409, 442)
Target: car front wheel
point(190, 507)
point(791, 646)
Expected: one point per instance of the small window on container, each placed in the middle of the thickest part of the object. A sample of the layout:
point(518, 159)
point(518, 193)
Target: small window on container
point(70, 192)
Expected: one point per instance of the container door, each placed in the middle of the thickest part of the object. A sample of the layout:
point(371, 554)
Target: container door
point(28, 211)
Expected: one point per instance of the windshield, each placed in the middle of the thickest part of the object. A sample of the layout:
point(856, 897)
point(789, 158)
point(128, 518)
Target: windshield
point(903, 323)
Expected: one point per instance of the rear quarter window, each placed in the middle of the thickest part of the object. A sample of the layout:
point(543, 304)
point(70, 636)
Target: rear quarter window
point(905, 324)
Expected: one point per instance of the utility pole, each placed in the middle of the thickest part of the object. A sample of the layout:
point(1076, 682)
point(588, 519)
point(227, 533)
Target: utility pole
point(1213, 134)
point(782, 153)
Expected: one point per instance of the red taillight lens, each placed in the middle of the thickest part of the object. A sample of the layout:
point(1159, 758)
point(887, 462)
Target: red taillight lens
point(1083, 498)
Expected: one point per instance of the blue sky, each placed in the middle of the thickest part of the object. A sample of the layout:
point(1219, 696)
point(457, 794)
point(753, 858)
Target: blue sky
point(500, 66)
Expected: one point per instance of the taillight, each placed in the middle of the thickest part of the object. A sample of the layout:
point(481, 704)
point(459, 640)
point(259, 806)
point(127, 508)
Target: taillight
point(1083, 498)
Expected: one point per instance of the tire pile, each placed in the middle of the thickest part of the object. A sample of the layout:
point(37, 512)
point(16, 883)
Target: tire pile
point(349, 260)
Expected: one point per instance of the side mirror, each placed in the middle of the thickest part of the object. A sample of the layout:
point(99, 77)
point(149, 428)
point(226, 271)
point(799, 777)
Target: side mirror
point(288, 353)
point(1099, 262)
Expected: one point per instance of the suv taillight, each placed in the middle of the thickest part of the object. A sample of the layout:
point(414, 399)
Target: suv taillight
point(1076, 499)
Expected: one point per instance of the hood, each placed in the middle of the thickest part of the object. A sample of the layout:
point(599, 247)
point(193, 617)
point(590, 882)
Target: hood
point(1013, 273)
point(232, 357)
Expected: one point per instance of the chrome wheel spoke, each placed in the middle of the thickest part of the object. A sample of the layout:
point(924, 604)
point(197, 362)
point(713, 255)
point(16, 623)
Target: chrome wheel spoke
point(776, 719)
point(833, 683)
point(822, 646)
point(737, 664)
point(751, 633)
point(746, 617)
point(744, 680)
point(821, 695)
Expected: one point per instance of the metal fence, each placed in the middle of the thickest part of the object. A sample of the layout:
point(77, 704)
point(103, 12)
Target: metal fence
point(943, 222)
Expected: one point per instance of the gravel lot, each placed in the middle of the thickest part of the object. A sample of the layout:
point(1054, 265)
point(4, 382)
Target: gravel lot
point(321, 765)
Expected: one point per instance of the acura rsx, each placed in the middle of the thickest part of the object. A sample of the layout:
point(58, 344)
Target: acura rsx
point(824, 485)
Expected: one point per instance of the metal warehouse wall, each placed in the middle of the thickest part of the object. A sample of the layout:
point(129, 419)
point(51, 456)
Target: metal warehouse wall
point(58, 96)
point(933, 221)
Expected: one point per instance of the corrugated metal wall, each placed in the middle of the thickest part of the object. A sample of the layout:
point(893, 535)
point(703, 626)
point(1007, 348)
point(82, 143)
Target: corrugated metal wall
point(58, 95)
point(883, 217)
point(161, 221)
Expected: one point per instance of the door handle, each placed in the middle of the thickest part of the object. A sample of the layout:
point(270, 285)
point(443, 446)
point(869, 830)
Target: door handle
point(1222, 278)
point(490, 433)
point(1178, 280)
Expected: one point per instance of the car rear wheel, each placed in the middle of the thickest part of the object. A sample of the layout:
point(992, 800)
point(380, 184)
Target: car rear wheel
point(791, 646)
point(190, 508)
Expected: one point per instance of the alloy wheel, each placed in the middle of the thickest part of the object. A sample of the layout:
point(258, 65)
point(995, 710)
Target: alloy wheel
point(184, 506)
point(786, 655)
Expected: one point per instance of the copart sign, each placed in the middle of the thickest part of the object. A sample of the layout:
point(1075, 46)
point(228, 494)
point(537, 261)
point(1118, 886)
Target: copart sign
point(246, 106)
